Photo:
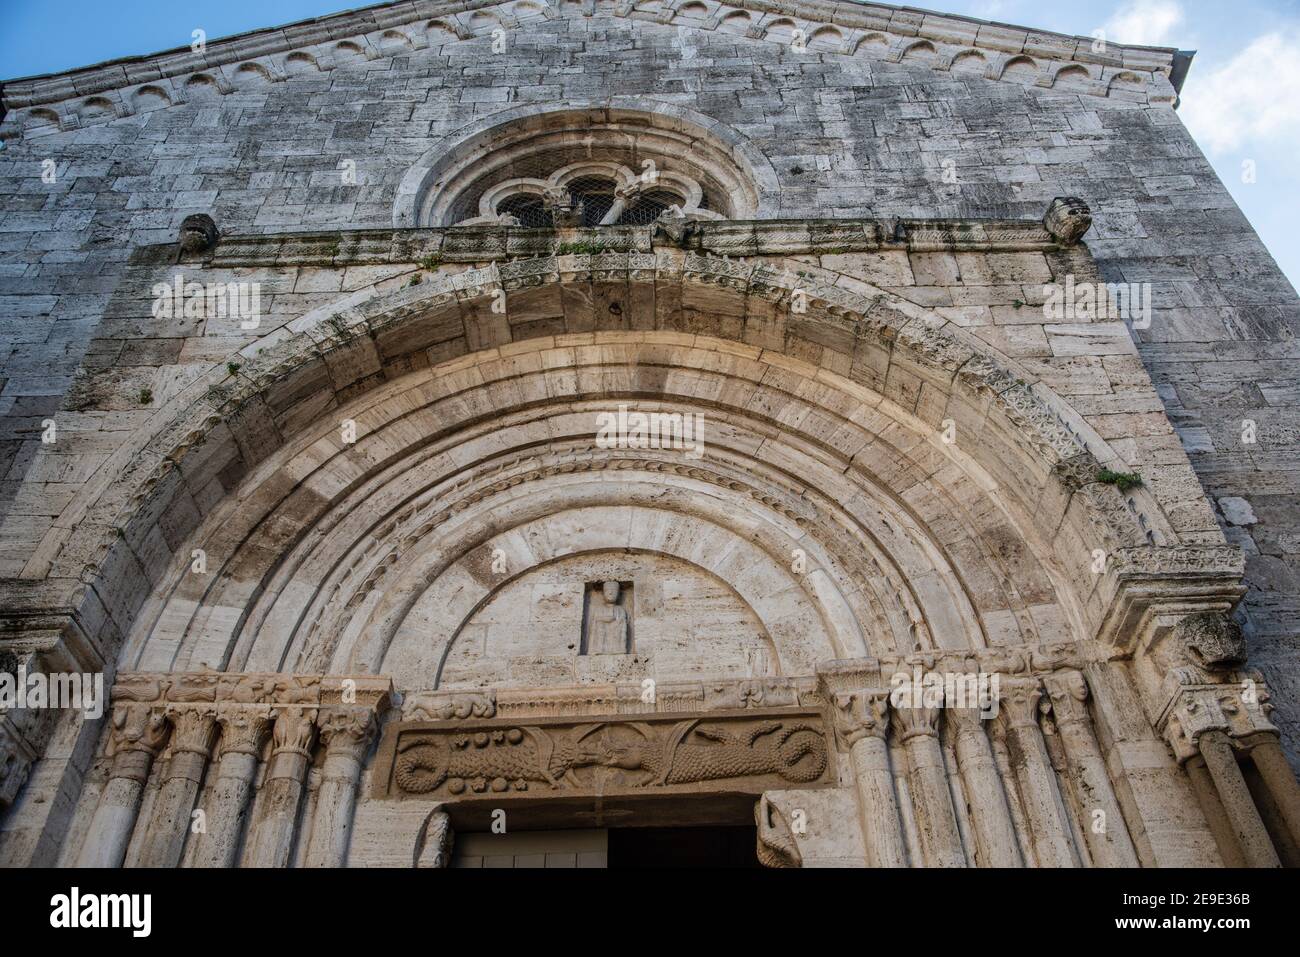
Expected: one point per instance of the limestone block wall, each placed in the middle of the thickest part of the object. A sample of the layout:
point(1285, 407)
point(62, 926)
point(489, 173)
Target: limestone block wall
point(849, 130)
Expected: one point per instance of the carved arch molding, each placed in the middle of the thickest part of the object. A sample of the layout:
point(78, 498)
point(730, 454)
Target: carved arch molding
point(475, 433)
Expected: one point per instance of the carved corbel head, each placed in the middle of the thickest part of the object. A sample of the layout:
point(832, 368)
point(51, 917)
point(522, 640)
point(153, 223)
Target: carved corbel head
point(1067, 219)
point(199, 233)
point(1213, 642)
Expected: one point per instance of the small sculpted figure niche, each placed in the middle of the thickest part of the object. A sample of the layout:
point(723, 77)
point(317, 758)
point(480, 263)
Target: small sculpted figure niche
point(607, 624)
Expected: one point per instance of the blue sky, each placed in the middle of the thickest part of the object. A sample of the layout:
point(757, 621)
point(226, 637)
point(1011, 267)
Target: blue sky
point(1241, 100)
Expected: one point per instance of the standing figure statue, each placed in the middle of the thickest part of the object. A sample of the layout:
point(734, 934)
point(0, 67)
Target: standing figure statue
point(607, 632)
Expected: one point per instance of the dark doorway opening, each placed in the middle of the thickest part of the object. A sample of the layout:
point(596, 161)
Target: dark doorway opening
point(633, 847)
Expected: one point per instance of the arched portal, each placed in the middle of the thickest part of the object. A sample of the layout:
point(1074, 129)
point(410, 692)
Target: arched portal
point(417, 492)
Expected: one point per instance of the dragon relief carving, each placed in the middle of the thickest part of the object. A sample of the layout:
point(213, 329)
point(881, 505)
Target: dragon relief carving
point(790, 750)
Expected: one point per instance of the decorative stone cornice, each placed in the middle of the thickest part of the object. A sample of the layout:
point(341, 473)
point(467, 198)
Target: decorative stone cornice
point(875, 32)
point(509, 244)
point(665, 697)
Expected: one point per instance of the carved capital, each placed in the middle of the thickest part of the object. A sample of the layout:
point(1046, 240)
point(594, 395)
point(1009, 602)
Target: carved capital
point(192, 729)
point(243, 728)
point(917, 722)
point(860, 714)
point(1018, 704)
point(138, 727)
point(294, 730)
point(346, 730)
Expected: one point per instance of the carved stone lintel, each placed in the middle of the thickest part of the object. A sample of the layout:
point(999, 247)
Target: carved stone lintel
point(745, 750)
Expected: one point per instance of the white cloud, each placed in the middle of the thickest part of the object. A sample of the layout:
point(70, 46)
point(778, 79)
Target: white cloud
point(1145, 22)
point(1254, 96)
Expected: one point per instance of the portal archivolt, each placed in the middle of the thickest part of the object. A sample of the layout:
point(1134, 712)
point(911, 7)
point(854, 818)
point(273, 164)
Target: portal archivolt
point(823, 440)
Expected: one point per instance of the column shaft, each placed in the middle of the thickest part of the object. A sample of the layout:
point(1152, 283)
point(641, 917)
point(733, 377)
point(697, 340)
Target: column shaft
point(1018, 710)
point(1238, 805)
point(346, 733)
point(995, 834)
point(270, 839)
point(1107, 836)
point(138, 732)
point(243, 729)
point(1281, 782)
point(936, 822)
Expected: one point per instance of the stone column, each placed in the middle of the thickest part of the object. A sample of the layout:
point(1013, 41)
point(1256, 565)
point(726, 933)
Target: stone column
point(1238, 805)
point(138, 732)
point(862, 721)
point(936, 822)
point(434, 843)
point(271, 838)
point(346, 733)
point(1110, 845)
point(190, 748)
point(243, 728)
point(1018, 713)
point(1212, 807)
point(1272, 765)
point(995, 833)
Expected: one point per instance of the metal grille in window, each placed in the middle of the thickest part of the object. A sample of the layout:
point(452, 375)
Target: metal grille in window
point(531, 211)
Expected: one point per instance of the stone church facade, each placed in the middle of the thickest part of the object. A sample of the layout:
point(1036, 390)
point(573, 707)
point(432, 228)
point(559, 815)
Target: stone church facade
point(573, 417)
